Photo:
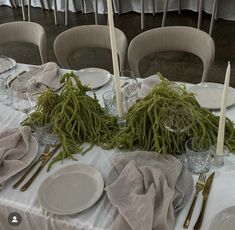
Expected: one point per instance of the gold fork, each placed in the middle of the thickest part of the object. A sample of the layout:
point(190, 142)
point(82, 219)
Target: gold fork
point(199, 186)
point(46, 152)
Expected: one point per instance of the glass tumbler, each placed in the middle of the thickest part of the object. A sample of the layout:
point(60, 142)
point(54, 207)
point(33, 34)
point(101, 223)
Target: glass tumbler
point(198, 155)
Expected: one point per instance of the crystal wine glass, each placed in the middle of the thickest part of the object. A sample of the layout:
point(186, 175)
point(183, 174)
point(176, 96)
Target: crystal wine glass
point(179, 118)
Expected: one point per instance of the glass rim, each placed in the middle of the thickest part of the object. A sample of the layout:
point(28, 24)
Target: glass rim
point(205, 149)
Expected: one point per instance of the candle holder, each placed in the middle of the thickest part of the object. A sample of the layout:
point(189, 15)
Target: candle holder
point(218, 159)
point(121, 122)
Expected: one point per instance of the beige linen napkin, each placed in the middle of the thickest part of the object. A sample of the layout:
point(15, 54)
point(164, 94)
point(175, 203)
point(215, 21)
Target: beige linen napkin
point(148, 189)
point(14, 145)
point(46, 75)
point(147, 84)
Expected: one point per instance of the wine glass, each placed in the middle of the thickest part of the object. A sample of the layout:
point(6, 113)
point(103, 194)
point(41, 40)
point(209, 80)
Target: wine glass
point(7, 69)
point(130, 87)
point(179, 118)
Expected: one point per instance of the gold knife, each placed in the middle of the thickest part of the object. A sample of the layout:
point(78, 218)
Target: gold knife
point(44, 162)
point(205, 194)
point(46, 151)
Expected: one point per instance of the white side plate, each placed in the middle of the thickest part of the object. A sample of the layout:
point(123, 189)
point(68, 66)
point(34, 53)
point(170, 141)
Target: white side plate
point(71, 189)
point(94, 77)
point(209, 95)
point(224, 220)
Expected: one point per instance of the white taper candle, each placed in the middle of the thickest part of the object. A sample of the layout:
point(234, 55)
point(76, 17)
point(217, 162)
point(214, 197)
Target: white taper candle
point(220, 137)
point(115, 60)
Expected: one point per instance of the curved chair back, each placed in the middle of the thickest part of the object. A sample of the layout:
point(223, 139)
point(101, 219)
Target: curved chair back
point(89, 36)
point(173, 38)
point(28, 32)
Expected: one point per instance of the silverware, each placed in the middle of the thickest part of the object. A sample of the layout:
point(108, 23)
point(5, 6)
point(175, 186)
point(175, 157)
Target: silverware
point(45, 153)
point(205, 194)
point(199, 186)
point(44, 162)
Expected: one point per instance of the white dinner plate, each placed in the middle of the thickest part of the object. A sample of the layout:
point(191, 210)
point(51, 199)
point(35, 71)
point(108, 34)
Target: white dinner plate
point(71, 189)
point(94, 77)
point(209, 95)
point(224, 220)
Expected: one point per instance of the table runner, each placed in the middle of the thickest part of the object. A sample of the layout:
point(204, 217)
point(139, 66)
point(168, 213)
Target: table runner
point(101, 215)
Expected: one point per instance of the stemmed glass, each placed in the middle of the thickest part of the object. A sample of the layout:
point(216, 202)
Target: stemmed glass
point(7, 68)
point(178, 118)
point(130, 87)
point(23, 101)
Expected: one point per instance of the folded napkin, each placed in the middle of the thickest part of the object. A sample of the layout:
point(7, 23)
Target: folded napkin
point(148, 190)
point(44, 76)
point(14, 145)
point(147, 84)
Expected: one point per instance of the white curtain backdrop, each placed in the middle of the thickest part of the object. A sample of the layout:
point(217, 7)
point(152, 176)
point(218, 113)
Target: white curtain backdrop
point(226, 7)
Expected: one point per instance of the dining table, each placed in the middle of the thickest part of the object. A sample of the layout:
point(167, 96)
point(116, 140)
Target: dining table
point(102, 214)
point(226, 8)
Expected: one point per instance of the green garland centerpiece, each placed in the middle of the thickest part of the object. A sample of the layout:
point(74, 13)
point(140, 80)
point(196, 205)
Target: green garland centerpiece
point(146, 122)
point(77, 118)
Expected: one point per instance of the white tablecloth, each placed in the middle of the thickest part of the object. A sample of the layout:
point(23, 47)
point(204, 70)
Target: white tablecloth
point(99, 216)
point(226, 7)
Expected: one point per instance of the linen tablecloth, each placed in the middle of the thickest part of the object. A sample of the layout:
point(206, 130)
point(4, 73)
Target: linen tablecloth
point(101, 215)
point(226, 7)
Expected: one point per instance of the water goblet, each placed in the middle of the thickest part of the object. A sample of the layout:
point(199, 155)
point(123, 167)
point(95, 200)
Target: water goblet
point(130, 87)
point(178, 119)
point(198, 155)
point(23, 101)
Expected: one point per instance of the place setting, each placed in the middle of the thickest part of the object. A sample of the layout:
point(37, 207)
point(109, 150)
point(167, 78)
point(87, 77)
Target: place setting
point(93, 149)
point(165, 109)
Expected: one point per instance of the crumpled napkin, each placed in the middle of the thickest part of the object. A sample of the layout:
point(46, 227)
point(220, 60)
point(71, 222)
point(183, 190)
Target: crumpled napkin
point(147, 84)
point(44, 76)
point(14, 145)
point(148, 189)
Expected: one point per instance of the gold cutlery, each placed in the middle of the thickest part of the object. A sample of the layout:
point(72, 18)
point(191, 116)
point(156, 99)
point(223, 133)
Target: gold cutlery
point(199, 186)
point(205, 194)
point(45, 153)
point(44, 162)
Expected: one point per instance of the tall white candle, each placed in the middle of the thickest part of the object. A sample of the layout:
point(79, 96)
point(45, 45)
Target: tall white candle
point(220, 138)
point(115, 60)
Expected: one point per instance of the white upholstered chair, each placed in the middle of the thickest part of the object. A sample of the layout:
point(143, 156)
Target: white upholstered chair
point(172, 38)
point(27, 32)
point(89, 36)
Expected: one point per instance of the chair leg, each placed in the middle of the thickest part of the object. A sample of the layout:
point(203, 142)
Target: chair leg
point(29, 10)
point(153, 4)
point(48, 5)
point(75, 7)
point(15, 3)
point(42, 4)
point(216, 12)
point(142, 14)
point(11, 2)
point(215, 5)
point(164, 13)
point(66, 12)
point(199, 14)
point(55, 12)
point(119, 6)
point(22, 7)
point(179, 6)
point(96, 12)
point(82, 6)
